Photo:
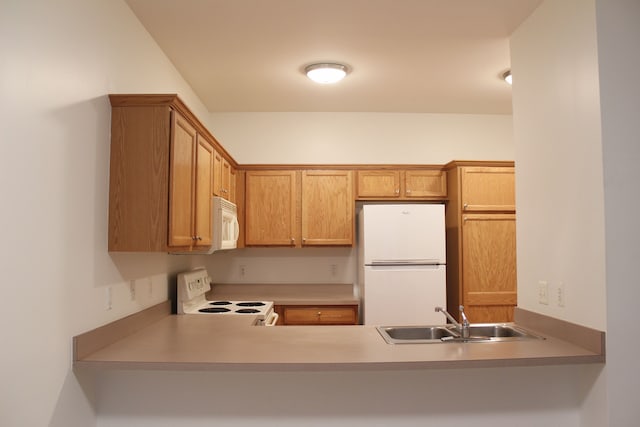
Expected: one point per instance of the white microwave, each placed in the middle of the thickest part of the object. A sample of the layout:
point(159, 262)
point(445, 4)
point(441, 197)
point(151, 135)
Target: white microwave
point(226, 228)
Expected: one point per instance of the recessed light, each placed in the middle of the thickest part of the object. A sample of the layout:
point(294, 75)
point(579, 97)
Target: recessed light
point(326, 73)
point(506, 76)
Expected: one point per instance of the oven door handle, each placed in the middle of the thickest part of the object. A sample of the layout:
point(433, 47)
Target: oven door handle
point(272, 320)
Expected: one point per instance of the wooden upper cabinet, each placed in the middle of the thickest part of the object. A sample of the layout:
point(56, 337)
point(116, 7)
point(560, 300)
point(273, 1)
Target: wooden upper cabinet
point(399, 184)
point(299, 208)
point(488, 188)
point(182, 182)
point(191, 171)
point(425, 184)
point(204, 179)
point(270, 208)
point(233, 177)
point(378, 183)
point(222, 177)
point(327, 207)
point(217, 174)
point(161, 176)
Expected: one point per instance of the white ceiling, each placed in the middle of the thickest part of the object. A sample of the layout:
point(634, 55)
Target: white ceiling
point(410, 56)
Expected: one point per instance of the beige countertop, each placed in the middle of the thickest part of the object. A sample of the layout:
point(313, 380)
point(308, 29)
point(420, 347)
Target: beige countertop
point(195, 342)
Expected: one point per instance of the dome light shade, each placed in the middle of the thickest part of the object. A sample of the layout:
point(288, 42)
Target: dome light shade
point(326, 73)
point(507, 77)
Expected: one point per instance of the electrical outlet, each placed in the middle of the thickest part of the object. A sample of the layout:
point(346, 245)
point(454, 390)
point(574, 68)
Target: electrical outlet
point(543, 292)
point(242, 270)
point(132, 290)
point(334, 270)
point(560, 294)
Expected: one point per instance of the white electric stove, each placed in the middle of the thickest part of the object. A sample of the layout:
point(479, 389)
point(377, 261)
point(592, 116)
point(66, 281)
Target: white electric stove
point(194, 284)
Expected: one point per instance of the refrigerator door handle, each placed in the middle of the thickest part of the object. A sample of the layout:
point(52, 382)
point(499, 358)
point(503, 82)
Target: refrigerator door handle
point(377, 262)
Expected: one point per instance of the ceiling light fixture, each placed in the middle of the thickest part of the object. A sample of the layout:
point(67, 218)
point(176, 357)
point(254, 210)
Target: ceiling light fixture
point(506, 76)
point(326, 73)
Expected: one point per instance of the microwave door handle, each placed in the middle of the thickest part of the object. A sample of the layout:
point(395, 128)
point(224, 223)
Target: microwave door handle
point(236, 228)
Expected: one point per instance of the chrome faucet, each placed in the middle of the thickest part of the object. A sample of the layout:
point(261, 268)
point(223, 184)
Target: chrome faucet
point(463, 328)
point(464, 331)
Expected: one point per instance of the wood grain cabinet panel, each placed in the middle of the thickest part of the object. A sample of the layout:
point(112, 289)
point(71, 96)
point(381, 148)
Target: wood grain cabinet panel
point(481, 242)
point(223, 178)
point(488, 189)
point(378, 184)
point(161, 176)
point(327, 208)
point(299, 208)
point(270, 208)
point(182, 182)
point(318, 314)
point(400, 184)
point(489, 266)
point(425, 184)
point(203, 189)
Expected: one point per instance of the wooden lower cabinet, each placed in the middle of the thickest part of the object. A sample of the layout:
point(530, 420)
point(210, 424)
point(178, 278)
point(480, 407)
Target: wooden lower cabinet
point(317, 314)
point(489, 292)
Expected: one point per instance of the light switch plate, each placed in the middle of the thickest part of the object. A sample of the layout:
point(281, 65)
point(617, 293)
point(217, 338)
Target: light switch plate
point(543, 292)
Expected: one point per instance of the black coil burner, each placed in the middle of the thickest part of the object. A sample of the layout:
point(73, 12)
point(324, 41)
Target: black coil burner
point(220, 303)
point(247, 310)
point(214, 310)
point(251, 304)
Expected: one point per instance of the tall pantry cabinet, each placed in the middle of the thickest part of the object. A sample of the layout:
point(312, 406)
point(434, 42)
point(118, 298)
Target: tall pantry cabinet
point(481, 240)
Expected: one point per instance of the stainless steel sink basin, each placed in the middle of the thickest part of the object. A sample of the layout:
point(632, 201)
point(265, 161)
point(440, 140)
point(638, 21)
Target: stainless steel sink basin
point(415, 334)
point(479, 332)
point(495, 331)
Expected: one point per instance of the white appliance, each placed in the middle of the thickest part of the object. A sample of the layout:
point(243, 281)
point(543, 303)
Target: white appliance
point(226, 228)
point(402, 264)
point(224, 225)
point(194, 284)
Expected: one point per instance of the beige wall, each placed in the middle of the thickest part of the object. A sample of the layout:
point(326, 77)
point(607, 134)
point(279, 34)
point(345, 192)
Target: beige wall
point(619, 60)
point(58, 61)
point(364, 137)
point(559, 184)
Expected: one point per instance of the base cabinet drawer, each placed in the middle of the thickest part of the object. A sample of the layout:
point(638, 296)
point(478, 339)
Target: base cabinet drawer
point(318, 314)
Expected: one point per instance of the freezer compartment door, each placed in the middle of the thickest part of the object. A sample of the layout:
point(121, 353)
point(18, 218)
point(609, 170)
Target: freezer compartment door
point(408, 233)
point(397, 296)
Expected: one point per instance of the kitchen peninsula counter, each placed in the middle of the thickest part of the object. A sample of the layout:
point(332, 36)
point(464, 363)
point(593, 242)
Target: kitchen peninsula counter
point(193, 342)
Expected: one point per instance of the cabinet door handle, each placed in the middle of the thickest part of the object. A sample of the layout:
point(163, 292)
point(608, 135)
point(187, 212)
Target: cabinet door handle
point(408, 191)
point(397, 191)
point(465, 206)
point(293, 241)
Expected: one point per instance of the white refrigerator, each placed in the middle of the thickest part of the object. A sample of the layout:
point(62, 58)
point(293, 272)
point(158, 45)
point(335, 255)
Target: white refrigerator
point(402, 264)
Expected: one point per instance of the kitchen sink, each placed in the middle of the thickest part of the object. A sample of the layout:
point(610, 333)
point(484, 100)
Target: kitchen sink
point(415, 334)
point(480, 332)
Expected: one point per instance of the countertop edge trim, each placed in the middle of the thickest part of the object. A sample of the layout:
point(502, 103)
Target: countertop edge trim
point(95, 339)
point(582, 336)
point(340, 366)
